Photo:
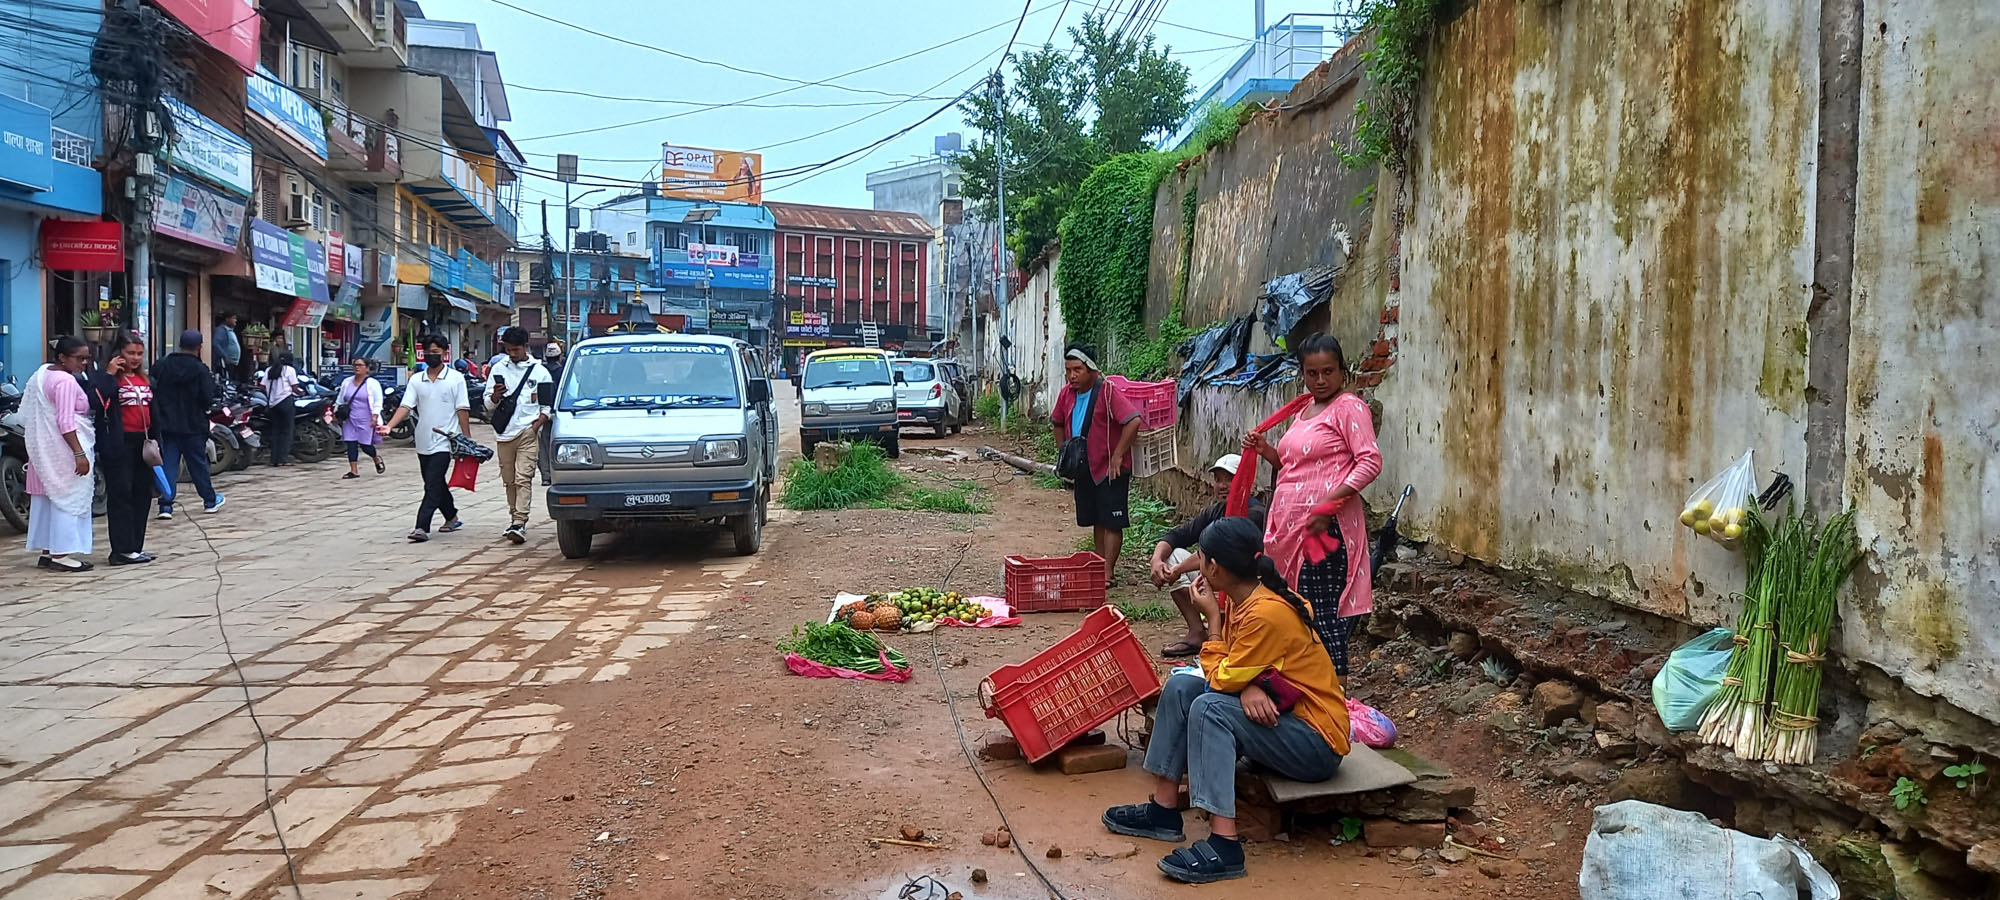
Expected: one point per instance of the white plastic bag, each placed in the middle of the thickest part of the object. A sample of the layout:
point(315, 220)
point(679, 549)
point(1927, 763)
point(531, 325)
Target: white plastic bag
point(1720, 508)
point(1639, 851)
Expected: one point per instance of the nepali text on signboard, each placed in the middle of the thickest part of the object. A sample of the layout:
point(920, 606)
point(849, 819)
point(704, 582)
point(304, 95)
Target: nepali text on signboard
point(478, 276)
point(191, 211)
point(316, 273)
point(271, 257)
point(712, 255)
point(286, 111)
point(807, 324)
point(24, 145)
point(814, 281)
point(202, 147)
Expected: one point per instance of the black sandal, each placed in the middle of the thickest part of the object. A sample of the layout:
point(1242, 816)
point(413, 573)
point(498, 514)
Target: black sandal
point(1132, 820)
point(1197, 863)
point(349, 475)
point(379, 468)
point(1180, 649)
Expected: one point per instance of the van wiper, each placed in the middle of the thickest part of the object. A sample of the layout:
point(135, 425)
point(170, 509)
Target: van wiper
point(837, 382)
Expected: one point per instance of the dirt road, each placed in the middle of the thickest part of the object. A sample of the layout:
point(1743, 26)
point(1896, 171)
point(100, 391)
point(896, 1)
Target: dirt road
point(710, 772)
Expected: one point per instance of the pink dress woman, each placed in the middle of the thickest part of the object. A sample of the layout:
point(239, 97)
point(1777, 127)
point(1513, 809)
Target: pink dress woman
point(1318, 454)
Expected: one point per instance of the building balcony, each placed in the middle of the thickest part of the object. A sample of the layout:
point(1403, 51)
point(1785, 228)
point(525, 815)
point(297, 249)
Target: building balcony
point(372, 33)
point(362, 149)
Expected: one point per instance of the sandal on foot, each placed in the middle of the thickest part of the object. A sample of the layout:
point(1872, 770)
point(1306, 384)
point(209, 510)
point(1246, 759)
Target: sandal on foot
point(1179, 649)
point(379, 468)
point(418, 537)
point(451, 526)
point(1197, 863)
point(349, 475)
point(1135, 820)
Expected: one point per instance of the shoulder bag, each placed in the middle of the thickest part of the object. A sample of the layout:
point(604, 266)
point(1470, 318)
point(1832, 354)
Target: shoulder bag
point(503, 412)
point(1073, 460)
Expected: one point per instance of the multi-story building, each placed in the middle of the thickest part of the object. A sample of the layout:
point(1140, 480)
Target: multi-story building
point(708, 262)
point(964, 250)
point(850, 277)
point(54, 252)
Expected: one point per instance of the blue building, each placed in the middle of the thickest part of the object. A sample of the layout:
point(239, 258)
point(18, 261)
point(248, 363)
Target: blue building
point(1282, 54)
point(710, 261)
point(50, 119)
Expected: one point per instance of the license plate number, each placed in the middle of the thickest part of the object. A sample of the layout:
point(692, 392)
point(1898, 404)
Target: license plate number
point(632, 500)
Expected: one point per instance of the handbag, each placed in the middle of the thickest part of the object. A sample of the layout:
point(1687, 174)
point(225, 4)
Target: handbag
point(344, 407)
point(503, 411)
point(1284, 694)
point(1073, 459)
point(150, 452)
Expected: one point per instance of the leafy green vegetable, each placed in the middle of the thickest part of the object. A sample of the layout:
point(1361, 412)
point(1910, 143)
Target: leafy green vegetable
point(838, 645)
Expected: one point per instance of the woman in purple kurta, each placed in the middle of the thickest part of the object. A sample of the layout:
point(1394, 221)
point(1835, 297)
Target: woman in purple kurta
point(361, 396)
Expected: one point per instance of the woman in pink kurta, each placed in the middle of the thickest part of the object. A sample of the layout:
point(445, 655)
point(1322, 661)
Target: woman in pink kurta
point(1325, 459)
point(61, 442)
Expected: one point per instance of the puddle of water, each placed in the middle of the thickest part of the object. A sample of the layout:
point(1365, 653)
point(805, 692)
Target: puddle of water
point(940, 882)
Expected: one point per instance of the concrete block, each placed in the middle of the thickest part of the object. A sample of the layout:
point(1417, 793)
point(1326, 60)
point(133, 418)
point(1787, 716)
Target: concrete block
point(1082, 760)
point(1391, 833)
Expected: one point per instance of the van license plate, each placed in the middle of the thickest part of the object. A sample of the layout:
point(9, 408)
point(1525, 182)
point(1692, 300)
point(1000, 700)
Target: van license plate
point(632, 500)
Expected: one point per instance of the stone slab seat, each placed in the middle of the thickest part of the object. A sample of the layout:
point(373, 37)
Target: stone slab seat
point(1364, 770)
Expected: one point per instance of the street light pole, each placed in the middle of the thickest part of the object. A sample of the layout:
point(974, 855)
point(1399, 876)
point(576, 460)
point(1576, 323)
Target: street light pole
point(569, 269)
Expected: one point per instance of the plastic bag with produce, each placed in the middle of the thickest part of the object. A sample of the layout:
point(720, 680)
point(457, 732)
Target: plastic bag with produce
point(1720, 508)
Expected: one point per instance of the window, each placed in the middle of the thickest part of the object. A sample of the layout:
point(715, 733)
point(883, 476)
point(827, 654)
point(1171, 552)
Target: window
point(512, 270)
point(909, 278)
point(339, 91)
point(625, 271)
point(951, 190)
point(631, 239)
point(853, 280)
point(881, 286)
point(795, 262)
point(853, 311)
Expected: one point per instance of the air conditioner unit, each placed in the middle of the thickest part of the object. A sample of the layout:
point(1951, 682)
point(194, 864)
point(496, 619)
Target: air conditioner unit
point(382, 17)
point(298, 211)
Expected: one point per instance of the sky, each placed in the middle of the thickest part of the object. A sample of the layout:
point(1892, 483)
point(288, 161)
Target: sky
point(806, 40)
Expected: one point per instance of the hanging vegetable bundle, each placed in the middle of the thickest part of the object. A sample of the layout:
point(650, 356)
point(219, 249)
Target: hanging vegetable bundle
point(1769, 704)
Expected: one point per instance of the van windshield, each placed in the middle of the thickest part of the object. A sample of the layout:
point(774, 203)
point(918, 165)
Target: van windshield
point(859, 369)
point(915, 372)
point(654, 376)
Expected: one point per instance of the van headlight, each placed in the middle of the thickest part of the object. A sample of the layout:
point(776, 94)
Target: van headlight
point(886, 405)
point(815, 409)
point(718, 451)
point(577, 455)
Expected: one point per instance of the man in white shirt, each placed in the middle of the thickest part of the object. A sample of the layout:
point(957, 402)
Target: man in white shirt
point(516, 379)
point(439, 400)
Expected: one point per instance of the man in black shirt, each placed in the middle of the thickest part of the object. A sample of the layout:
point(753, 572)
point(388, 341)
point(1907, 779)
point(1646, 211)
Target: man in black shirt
point(183, 389)
point(1178, 566)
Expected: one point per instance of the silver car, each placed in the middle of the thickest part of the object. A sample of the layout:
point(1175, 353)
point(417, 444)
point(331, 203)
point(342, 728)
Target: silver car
point(925, 396)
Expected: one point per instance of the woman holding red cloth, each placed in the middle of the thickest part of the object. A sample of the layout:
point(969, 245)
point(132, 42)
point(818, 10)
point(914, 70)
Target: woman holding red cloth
point(1316, 530)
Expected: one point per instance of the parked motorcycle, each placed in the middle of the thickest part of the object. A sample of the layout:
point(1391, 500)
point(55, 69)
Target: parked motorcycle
point(392, 398)
point(14, 463)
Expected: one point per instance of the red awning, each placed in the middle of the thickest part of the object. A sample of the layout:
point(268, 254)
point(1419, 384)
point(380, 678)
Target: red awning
point(227, 25)
point(83, 246)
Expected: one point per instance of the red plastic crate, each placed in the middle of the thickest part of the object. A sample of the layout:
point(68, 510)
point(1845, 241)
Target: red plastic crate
point(1055, 584)
point(1082, 682)
point(1158, 401)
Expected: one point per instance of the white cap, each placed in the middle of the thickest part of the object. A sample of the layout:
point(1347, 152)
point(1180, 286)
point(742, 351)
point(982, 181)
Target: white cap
point(1227, 463)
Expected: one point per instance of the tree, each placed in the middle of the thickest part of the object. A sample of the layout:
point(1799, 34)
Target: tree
point(1132, 93)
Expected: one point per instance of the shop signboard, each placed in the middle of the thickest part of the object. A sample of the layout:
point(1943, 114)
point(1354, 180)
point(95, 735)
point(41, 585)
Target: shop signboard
point(271, 257)
point(204, 148)
point(385, 267)
point(191, 211)
point(354, 272)
point(283, 109)
point(69, 244)
point(478, 276)
point(301, 269)
point(376, 328)
point(316, 273)
point(807, 325)
point(24, 145)
point(698, 173)
point(712, 255)
point(336, 260)
point(813, 281)
point(227, 25)
point(346, 304)
point(440, 273)
point(724, 318)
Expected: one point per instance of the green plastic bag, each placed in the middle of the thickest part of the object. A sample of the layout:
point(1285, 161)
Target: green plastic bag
point(1691, 678)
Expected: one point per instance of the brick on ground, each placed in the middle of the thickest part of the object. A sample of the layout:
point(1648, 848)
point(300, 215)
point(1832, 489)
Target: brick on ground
point(1086, 758)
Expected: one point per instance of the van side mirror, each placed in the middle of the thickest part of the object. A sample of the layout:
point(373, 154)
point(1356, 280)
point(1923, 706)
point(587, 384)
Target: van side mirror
point(545, 393)
point(760, 391)
point(900, 379)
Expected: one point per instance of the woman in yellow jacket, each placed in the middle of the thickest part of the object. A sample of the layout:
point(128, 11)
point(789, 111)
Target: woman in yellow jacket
point(1268, 693)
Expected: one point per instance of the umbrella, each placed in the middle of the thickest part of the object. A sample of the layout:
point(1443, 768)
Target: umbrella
point(1385, 540)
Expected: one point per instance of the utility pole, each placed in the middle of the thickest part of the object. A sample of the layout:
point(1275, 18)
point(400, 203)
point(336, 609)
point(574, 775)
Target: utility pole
point(151, 128)
point(1000, 191)
point(566, 173)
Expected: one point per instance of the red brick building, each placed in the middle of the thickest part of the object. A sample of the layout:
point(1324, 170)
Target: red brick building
point(849, 272)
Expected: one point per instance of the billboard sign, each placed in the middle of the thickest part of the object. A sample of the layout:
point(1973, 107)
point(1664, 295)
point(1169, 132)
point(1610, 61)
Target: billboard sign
point(286, 111)
point(191, 211)
point(227, 25)
point(698, 173)
point(202, 147)
point(713, 255)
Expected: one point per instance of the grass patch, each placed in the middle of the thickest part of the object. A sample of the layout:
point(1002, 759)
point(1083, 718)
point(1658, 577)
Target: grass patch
point(987, 406)
point(1147, 612)
point(862, 479)
point(963, 497)
point(1050, 482)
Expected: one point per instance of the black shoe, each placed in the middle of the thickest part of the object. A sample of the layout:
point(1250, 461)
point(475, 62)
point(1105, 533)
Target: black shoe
point(517, 533)
point(67, 565)
point(131, 559)
point(1145, 820)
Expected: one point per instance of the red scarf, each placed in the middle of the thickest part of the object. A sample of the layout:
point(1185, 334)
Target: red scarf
point(1316, 546)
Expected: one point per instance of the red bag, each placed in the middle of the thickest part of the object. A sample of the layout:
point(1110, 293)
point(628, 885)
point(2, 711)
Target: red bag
point(464, 474)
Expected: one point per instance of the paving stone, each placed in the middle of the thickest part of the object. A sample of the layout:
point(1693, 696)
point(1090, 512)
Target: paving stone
point(342, 633)
point(495, 770)
point(667, 628)
point(187, 718)
point(218, 877)
point(220, 798)
point(236, 732)
point(149, 846)
point(388, 695)
point(77, 886)
point(480, 672)
point(307, 813)
point(375, 846)
point(366, 889)
point(427, 802)
point(372, 766)
point(612, 672)
point(423, 727)
point(492, 727)
point(56, 739)
point(344, 720)
point(554, 675)
point(288, 757)
point(70, 817)
point(21, 799)
point(298, 701)
point(160, 774)
point(494, 748)
point(139, 703)
point(299, 653)
point(407, 670)
point(17, 860)
point(104, 757)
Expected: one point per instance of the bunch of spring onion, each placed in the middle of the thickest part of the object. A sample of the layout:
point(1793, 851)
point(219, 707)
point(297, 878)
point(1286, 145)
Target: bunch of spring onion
point(1735, 718)
point(1805, 619)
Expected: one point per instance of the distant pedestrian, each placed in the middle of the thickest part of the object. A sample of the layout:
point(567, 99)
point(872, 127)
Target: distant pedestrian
point(361, 398)
point(280, 384)
point(55, 413)
point(518, 417)
point(552, 359)
point(438, 400)
point(183, 390)
point(1090, 409)
point(122, 401)
point(228, 345)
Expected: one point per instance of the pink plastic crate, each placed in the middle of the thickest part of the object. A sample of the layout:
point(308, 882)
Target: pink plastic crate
point(1055, 584)
point(1082, 682)
point(1158, 401)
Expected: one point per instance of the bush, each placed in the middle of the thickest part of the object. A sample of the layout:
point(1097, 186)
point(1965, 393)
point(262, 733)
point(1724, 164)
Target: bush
point(961, 499)
point(862, 479)
point(987, 406)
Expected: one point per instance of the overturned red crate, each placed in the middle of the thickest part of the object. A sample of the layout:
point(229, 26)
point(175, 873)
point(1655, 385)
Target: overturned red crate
point(1158, 401)
point(1055, 584)
point(1082, 682)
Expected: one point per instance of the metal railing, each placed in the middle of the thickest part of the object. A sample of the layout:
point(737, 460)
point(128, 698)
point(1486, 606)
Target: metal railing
point(72, 148)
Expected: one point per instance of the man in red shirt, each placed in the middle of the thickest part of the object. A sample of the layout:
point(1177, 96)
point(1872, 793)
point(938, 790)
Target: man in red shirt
point(1108, 423)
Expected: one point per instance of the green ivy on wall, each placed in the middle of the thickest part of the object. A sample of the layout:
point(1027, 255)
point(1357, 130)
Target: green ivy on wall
point(1384, 118)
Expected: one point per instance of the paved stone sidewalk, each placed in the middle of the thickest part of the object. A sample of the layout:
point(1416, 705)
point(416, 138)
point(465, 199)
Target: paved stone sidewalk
point(130, 768)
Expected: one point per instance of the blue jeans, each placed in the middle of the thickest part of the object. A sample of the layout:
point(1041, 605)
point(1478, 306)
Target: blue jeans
point(1201, 733)
point(193, 448)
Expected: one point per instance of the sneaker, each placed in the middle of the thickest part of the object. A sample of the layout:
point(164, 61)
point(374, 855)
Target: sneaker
point(517, 533)
point(216, 506)
point(164, 514)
